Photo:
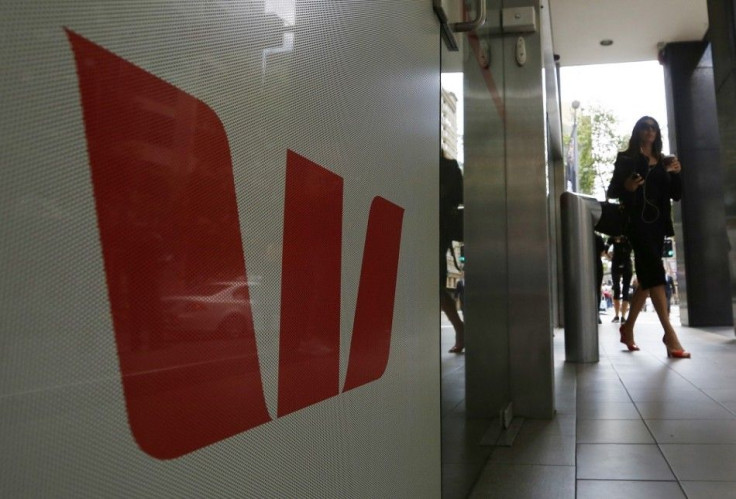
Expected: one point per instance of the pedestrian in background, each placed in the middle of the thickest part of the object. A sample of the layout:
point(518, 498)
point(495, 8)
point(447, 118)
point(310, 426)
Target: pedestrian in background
point(621, 271)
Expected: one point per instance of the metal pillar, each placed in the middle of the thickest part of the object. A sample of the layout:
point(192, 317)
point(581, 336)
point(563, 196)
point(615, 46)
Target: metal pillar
point(579, 215)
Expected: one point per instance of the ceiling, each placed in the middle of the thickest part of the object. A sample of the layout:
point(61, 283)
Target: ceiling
point(635, 26)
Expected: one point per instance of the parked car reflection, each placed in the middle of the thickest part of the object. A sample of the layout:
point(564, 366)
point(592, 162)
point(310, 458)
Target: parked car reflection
point(220, 309)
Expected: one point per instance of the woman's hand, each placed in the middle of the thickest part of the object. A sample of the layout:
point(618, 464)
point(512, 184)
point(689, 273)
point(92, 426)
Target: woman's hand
point(633, 182)
point(674, 166)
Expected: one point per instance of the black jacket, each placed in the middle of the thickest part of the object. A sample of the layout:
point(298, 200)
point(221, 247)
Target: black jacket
point(451, 196)
point(661, 187)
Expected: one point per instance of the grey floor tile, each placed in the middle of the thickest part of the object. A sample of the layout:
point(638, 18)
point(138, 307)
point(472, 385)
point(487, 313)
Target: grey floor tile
point(613, 431)
point(688, 431)
point(458, 479)
point(452, 396)
point(454, 382)
point(702, 462)
point(607, 410)
point(538, 449)
point(452, 367)
point(614, 489)
point(462, 456)
point(713, 381)
point(621, 462)
point(617, 394)
point(560, 426)
point(690, 394)
point(461, 439)
point(566, 406)
point(516, 481)
point(450, 404)
point(660, 377)
point(710, 490)
point(723, 395)
point(603, 370)
point(683, 409)
point(565, 373)
point(596, 383)
point(615, 456)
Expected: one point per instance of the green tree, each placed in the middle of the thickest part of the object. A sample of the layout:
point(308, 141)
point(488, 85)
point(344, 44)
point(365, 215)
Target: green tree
point(605, 143)
point(586, 173)
point(598, 144)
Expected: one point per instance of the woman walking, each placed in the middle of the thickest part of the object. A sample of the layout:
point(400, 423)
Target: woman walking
point(644, 181)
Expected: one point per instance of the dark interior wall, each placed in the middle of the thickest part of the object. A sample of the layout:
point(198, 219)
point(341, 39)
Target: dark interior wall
point(694, 136)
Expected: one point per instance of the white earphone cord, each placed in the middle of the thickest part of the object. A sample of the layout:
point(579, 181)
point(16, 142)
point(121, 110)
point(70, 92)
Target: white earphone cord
point(647, 202)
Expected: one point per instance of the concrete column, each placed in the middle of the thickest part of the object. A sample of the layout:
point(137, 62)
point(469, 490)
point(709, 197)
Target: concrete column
point(700, 220)
point(722, 33)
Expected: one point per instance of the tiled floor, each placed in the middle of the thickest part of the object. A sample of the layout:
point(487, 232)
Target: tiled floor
point(463, 458)
point(635, 424)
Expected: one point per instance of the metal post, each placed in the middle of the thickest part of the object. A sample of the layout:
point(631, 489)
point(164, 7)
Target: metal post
point(579, 215)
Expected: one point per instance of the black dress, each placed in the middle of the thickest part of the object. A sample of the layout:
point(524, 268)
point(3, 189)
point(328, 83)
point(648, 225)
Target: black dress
point(649, 211)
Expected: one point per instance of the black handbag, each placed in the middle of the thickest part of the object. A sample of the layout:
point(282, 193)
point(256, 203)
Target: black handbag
point(613, 219)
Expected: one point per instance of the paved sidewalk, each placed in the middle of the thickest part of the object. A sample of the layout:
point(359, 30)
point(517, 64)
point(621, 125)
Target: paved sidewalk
point(635, 424)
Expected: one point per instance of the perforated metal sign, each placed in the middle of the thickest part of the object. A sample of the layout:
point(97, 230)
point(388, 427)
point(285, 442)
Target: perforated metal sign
point(217, 253)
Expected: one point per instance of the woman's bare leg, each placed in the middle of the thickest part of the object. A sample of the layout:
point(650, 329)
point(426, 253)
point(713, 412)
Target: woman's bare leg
point(659, 300)
point(637, 302)
point(449, 307)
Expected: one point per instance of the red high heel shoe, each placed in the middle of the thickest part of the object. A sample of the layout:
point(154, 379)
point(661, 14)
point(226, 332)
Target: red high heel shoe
point(676, 354)
point(633, 347)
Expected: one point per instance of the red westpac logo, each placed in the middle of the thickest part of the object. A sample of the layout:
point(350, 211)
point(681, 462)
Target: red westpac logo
point(167, 214)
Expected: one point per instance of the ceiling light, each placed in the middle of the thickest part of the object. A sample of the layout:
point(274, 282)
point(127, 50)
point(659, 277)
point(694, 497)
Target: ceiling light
point(607, 42)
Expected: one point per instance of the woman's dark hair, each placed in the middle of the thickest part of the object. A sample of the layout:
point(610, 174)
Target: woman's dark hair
point(635, 140)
